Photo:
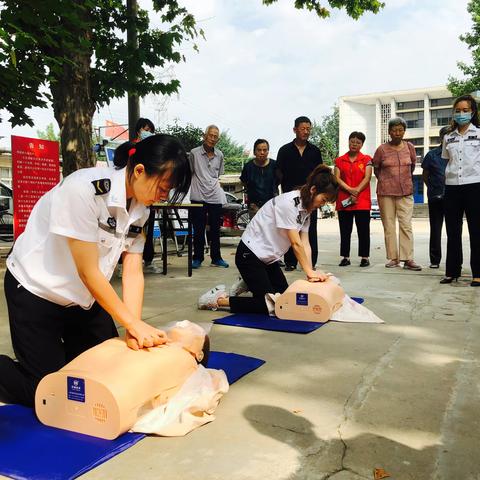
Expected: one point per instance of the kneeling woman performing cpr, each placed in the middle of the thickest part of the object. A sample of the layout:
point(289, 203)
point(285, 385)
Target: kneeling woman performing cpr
point(280, 224)
point(60, 302)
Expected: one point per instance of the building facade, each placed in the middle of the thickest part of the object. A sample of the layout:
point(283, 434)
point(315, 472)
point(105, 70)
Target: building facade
point(425, 111)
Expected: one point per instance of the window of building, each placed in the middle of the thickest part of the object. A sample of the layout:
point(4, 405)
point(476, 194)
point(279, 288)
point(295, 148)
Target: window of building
point(413, 119)
point(441, 117)
point(410, 105)
point(6, 176)
point(440, 102)
point(434, 141)
point(415, 141)
point(385, 115)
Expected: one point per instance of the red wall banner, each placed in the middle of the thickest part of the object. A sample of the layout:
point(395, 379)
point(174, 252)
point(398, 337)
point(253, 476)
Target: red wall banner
point(35, 170)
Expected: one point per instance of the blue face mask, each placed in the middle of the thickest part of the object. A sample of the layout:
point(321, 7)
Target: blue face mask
point(145, 134)
point(462, 118)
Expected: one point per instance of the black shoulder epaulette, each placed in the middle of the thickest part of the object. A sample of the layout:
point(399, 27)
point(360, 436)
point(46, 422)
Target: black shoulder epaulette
point(102, 186)
point(296, 201)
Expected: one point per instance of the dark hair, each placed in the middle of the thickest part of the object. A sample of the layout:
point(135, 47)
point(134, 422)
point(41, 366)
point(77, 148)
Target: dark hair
point(473, 106)
point(259, 141)
point(206, 351)
point(144, 122)
point(300, 120)
point(324, 181)
point(158, 154)
point(358, 135)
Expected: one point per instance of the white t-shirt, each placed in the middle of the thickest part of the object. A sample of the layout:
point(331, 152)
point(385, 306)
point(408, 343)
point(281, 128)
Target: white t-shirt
point(463, 155)
point(266, 234)
point(88, 205)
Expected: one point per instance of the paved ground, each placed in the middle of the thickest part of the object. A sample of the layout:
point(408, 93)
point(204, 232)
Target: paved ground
point(338, 402)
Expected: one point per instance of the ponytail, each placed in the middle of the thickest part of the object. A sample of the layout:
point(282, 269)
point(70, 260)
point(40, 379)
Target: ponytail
point(323, 180)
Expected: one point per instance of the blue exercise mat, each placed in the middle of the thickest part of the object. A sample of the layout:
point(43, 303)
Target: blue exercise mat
point(359, 300)
point(265, 322)
point(234, 365)
point(30, 450)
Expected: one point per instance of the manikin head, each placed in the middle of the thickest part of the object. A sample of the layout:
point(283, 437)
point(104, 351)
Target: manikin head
point(192, 338)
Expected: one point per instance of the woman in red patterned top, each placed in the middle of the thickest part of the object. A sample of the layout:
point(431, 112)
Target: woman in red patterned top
point(353, 172)
point(393, 164)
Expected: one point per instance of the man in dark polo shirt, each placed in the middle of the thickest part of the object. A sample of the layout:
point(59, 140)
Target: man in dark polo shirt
point(434, 177)
point(295, 161)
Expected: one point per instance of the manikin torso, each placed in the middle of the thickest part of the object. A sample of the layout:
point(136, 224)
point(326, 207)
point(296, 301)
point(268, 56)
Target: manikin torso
point(309, 301)
point(104, 390)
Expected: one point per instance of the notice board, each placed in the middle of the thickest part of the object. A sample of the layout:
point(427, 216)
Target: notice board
point(35, 170)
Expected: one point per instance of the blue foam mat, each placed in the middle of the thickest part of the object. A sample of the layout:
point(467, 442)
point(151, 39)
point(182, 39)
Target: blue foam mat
point(235, 366)
point(265, 322)
point(30, 450)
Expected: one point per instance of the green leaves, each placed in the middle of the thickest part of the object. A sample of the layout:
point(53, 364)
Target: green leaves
point(325, 136)
point(471, 82)
point(354, 8)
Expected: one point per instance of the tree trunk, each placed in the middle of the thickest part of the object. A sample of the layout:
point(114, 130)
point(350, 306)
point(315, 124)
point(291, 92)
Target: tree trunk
point(73, 108)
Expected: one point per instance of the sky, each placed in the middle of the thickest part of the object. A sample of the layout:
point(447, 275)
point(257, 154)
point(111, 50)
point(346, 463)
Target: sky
point(261, 67)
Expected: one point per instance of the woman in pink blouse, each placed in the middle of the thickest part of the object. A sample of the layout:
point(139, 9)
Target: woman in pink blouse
point(393, 164)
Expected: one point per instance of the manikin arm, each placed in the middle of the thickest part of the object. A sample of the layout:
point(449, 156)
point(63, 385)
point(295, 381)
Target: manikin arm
point(85, 256)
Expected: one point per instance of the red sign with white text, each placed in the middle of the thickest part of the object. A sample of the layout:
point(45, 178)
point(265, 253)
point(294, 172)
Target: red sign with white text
point(35, 171)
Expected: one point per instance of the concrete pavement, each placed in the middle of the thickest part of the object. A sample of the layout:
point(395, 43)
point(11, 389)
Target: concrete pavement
point(338, 402)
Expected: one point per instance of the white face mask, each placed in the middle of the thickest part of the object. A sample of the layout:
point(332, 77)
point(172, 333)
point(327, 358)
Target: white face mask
point(145, 134)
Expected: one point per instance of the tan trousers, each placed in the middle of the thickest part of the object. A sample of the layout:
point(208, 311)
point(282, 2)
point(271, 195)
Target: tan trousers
point(391, 210)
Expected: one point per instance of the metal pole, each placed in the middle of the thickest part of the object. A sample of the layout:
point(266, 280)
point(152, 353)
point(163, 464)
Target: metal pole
point(132, 42)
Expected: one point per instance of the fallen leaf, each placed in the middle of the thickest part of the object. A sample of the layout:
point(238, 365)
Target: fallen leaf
point(380, 473)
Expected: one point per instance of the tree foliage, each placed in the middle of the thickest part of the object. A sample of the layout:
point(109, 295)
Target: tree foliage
point(325, 135)
point(472, 72)
point(354, 8)
point(49, 133)
point(234, 153)
point(74, 54)
point(190, 136)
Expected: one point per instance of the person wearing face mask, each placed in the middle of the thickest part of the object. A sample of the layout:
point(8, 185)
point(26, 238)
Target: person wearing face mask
point(353, 172)
point(57, 284)
point(461, 148)
point(145, 128)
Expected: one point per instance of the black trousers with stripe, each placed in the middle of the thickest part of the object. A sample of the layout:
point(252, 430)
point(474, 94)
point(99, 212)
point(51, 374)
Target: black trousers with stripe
point(260, 279)
point(460, 200)
point(45, 337)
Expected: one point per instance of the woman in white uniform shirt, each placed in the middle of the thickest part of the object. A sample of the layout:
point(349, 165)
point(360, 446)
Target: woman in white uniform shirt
point(60, 301)
point(461, 148)
point(281, 223)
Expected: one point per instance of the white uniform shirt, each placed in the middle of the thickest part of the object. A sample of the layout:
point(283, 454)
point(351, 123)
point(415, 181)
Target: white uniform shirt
point(266, 234)
point(463, 155)
point(41, 260)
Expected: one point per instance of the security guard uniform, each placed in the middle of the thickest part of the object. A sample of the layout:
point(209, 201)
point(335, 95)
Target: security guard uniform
point(53, 316)
point(263, 244)
point(462, 193)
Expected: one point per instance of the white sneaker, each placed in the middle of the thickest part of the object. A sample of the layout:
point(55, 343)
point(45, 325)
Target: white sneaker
point(238, 287)
point(209, 300)
point(151, 268)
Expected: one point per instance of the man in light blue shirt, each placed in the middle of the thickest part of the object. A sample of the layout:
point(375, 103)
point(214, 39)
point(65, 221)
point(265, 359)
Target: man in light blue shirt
point(207, 164)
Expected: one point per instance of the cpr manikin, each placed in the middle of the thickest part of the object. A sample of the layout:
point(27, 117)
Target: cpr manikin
point(309, 301)
point(105, 390)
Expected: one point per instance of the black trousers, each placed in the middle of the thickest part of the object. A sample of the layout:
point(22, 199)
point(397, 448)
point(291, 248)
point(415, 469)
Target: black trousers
point(260, 279)
point(362, 222)
point(459, 200)
point(211, 213)
point(291, 259)
point(436, 215)
point(45, 337)
point(148, 250)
